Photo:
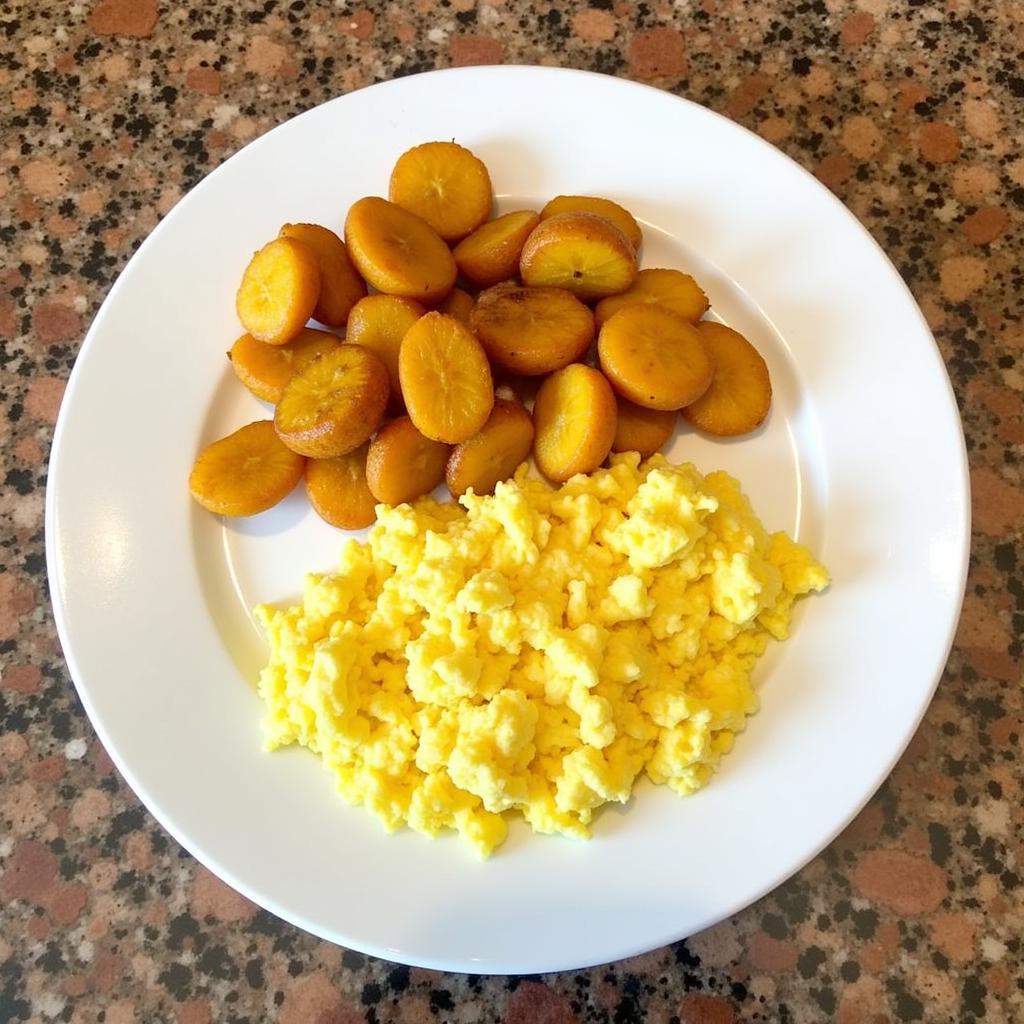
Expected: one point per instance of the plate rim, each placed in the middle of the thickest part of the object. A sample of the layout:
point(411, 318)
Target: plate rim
point(265, 900)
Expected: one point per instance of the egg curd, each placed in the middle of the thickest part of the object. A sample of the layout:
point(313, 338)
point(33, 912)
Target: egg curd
point(537, 650)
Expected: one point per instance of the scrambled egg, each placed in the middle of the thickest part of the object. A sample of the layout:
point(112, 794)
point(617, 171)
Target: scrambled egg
point(535, 650)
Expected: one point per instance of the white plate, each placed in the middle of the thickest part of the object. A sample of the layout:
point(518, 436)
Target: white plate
point(862, 459)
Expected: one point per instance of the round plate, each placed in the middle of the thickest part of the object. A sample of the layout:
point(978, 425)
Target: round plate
point(862, 459)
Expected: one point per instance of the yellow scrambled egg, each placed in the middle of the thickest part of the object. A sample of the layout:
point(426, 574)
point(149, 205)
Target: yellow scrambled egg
point(534, 651)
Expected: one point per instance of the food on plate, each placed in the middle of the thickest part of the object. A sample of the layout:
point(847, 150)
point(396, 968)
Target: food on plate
point(379, 323)
point(279, 291)
point(397, 252)
point(246, 472)
point(337, 490)
point(341, 287)
point(445, 185)
point(532, 331)
point(574, 419)
point(580, 251)
point(402, 464)
point(642, 430)
point(654, 358)
point(491, 253)
point(536, 651)
point(494, 454)
point(334, 404)
point(445, 379)
point(740, 394)
point(536, 646)
point(459, 304)
point(265, 369)
point(618, 215)
point(670, 289)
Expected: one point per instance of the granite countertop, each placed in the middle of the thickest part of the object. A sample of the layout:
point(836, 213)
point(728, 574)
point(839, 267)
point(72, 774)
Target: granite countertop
point(909, 110)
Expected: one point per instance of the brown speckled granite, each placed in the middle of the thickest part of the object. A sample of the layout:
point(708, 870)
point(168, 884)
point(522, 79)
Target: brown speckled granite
point(910, 110)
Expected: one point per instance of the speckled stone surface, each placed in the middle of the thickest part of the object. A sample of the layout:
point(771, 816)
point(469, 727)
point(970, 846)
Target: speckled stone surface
point(910, 110)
